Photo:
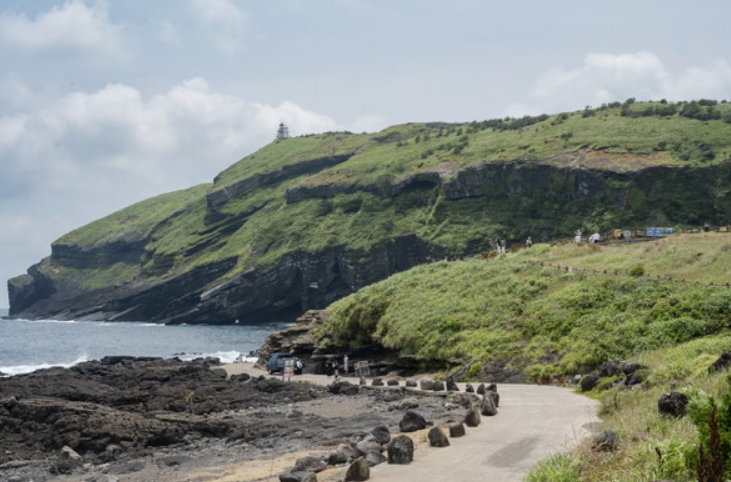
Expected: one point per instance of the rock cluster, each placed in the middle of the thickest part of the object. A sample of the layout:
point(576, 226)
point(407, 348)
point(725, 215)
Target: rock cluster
point(626, 374)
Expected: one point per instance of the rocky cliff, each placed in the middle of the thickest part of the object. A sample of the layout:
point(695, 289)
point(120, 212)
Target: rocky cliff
point(306, 221)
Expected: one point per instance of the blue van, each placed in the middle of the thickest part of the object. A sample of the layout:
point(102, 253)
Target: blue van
point(275, 363)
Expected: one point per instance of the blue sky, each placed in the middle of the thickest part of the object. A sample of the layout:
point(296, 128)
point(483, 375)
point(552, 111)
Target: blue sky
point(104, 103)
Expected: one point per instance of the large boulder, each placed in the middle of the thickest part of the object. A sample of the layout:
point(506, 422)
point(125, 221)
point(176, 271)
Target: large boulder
point(343, 387)
point(297, 477)
point(412, 421)
point(401, 450)
point(358, 470)
point(723, 362)
point(374, 458)
point(473, 418)
point(452, 385)
point(437, 438)
point(368, 445)
point(309, 464)
point(605, 441)
point(495, 396)
point(382, 434)
point(457, 430)
point(488, 407)
point(675, 404)
point(438, 386)
point(589, 382)
point(342, 455)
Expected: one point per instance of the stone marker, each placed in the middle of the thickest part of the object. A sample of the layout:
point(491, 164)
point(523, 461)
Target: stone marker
point(412, 421)
point(437, 438)
point(401, 450)
point(358, 471)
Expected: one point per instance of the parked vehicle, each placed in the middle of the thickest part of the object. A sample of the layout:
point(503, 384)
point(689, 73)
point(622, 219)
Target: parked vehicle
point(275, 363)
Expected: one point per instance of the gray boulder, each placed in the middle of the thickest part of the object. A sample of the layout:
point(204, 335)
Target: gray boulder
point(401, 450)
point(457, 430)
point(589, 382)
point(481, 389)
point(368, 445)
point(495, 397)
point(358, 470)
point(675, 404)
point(342, 455)
point(438, 386)
point(297, 477)
point(426, 385)
point(452, 385)
point(382, 434)
point(469, 388)
point(437, 438)
point(606, 441)
point(392, 382)
point(412, 421)
point(488, 407)
point(309, 464)
point(375, 458)
point(473, 418)
point(411, 383)
point(377, 382)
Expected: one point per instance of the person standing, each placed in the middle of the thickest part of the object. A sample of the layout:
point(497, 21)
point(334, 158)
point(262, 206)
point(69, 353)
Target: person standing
point(577, 238)
point(345, 364)
point(529, 241)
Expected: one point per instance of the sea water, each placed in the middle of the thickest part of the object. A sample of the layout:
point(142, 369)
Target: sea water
point(26, 346)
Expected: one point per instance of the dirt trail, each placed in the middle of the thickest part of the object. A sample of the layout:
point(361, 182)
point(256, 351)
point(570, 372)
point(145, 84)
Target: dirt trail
point(533, 423)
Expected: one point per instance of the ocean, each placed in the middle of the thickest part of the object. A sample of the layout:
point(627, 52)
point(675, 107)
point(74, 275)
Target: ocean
point(26, 346)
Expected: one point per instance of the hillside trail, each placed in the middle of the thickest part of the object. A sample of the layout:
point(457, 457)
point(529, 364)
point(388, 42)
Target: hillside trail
point(533, 423)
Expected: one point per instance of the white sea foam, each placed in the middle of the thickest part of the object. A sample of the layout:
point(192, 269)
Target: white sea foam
point(20, 369)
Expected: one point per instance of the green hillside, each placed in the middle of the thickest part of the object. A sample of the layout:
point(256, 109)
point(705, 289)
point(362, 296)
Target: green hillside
point(605, 140)
point(543, 320)
point(445, 187)
point(553, 324)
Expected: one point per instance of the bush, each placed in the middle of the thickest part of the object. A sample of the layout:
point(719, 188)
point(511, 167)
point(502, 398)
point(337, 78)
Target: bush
point(637, 271)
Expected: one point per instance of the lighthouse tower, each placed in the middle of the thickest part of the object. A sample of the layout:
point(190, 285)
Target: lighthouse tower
point(282, 132)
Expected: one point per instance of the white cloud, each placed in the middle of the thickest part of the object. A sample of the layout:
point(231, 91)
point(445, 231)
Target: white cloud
point(226, 23)
point(73, 26)
point(608, 77)
point(134, 144)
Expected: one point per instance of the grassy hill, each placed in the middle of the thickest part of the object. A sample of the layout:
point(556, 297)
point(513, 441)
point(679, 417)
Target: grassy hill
point(447, 187)
point(553, 324)
point(540, 319)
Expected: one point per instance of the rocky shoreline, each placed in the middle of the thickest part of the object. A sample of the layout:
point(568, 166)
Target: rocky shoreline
point(133, 419)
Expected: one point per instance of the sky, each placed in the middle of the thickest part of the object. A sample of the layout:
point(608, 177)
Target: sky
point(106, 103)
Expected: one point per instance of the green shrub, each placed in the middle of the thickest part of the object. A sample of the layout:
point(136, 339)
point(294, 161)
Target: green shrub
point(559, 468)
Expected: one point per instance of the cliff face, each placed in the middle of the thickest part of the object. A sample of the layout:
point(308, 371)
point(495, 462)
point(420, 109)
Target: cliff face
point(306, 221)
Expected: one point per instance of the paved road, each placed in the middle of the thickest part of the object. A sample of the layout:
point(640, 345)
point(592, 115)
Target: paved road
point(533, 423)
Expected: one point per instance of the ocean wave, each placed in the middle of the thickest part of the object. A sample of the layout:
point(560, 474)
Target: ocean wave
point(224, 356)
point(21, 369)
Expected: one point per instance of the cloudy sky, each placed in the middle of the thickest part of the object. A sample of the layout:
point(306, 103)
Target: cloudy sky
point(104, 103)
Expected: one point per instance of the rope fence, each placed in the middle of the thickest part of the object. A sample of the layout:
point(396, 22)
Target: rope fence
point(569, 269)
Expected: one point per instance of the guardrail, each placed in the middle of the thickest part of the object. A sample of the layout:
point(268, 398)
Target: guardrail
point(569, 269)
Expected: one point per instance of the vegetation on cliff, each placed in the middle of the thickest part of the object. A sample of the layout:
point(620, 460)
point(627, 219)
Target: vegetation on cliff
point(448, 185)
point(541, 319)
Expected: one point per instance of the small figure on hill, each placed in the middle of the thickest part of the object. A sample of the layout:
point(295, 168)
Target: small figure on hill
point(706, 227)
point(490, 245)
point(298, 366)
point(345, 364)
point(577, 238)
point(329, 369)
point(529, 241)
point(282, 132)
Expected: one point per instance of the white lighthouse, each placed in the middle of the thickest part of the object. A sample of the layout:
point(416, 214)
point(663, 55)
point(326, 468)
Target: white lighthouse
point(282, 132)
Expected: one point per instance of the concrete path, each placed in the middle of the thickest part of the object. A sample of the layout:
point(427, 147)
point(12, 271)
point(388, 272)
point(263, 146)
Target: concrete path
point(533, 423)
